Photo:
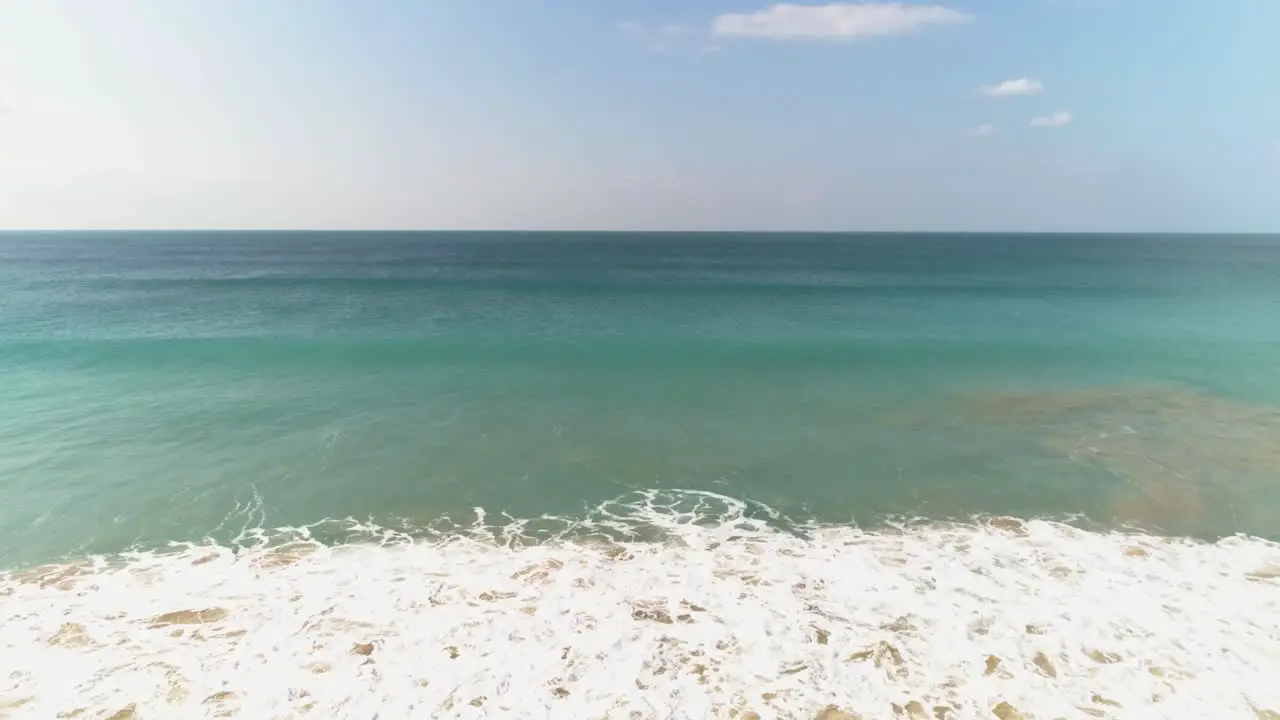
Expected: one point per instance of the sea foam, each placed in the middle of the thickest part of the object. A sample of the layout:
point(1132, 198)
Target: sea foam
point(717, 612)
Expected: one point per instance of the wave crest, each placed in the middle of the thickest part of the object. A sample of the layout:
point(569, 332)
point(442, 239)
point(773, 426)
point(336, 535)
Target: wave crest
point(659, 604)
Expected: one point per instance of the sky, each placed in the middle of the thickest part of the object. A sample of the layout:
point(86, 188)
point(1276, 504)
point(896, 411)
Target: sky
point(973, 115)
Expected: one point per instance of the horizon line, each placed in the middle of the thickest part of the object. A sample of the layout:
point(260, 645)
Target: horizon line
point(509, 231)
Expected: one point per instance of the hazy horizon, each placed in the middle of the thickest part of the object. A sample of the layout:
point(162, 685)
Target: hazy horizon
point(706, 115)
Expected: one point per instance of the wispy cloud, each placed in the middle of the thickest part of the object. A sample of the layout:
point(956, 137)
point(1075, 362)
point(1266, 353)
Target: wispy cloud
point(1018, 86)
point(664, 38)
point(1062, 118)
point(633, 29)
point(844, 21)
point(1079, 3)
point(982, 130)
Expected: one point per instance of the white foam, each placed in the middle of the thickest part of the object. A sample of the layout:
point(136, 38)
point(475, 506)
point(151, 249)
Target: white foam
point(721, 616)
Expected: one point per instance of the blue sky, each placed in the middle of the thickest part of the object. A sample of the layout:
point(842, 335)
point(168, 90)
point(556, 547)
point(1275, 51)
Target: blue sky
point(1126, 115)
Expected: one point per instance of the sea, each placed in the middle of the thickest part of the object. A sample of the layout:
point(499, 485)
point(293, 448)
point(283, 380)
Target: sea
point(627, 475)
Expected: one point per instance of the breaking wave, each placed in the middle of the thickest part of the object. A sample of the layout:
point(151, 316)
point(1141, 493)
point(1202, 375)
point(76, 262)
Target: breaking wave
point(668, 604)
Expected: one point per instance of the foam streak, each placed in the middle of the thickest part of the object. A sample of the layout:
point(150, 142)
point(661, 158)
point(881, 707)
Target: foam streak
point(949, 621)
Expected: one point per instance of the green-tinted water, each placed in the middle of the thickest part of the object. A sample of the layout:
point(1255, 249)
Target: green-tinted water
point(152, 384)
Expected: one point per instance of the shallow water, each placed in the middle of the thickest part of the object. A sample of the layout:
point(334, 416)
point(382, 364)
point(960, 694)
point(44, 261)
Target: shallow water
point(793, 433)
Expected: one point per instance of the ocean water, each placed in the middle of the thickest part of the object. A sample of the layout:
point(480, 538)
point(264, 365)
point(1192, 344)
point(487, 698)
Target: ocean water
point(358, 475)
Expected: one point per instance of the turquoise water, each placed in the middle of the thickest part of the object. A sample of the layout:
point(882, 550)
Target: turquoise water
point(358, 475)
point(154, 382)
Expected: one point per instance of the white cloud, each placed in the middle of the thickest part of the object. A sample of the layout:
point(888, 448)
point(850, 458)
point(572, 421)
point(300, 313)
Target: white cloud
point(1061, 118)
point(1019, 86)
point(982, 130)
point(845, 21)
